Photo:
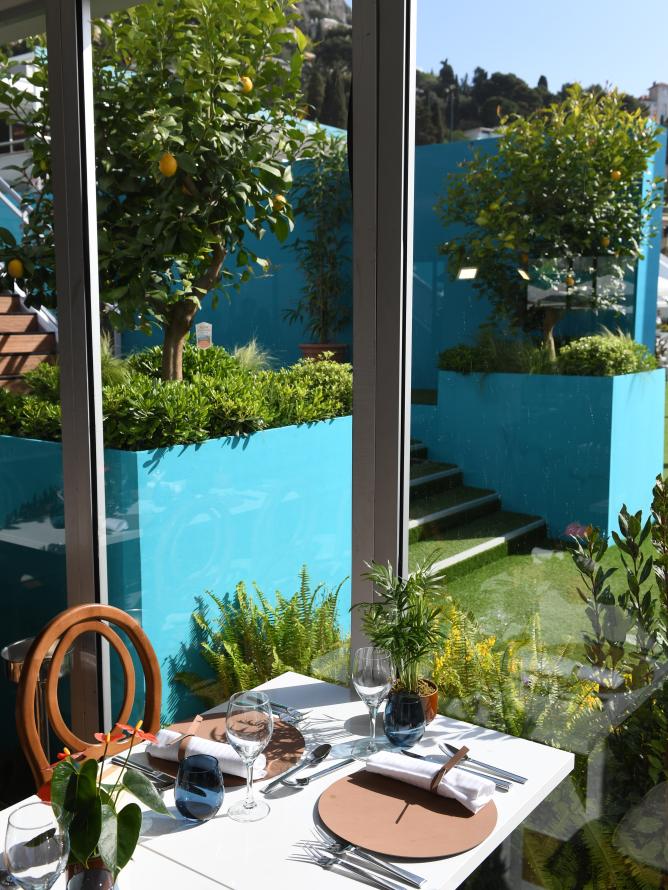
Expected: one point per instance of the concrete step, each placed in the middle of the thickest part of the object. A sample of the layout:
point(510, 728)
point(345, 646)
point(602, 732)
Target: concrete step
point(15, 384)
point(9, 303)
point(15, 365)
point(18, 322)
point(431, 515)
point(468, 545)
point(20, 344)
point(430, 477)
point(418, 451)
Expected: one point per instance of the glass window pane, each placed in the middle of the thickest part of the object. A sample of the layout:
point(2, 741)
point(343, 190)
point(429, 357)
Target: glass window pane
point(538, 411)
point(32, 523)
point(224, 227)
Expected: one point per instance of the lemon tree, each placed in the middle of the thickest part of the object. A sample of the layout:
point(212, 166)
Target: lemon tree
point(195, 128)
point(565, 183)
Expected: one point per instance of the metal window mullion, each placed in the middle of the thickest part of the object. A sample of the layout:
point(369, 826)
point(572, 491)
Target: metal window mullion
point(383, 109)
point(75, 228)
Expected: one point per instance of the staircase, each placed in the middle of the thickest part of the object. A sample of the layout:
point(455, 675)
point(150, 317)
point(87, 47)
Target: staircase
point(24, 342)
point(464, 526)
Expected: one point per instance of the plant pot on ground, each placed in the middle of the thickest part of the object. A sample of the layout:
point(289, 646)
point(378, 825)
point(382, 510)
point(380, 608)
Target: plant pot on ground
point(335, 352)
point(407, 622)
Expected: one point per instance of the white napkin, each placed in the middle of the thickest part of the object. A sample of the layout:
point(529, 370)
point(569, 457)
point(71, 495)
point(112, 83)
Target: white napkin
point(167, 748)
point(471, 791)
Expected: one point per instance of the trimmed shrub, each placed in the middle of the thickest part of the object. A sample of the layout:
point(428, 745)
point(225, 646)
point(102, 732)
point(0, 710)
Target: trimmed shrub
point(220, 396)
point(604, 355)
point(492, 353)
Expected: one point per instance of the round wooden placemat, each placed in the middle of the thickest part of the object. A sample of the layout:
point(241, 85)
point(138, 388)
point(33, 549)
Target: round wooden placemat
point(395, 819)
point(283, 751)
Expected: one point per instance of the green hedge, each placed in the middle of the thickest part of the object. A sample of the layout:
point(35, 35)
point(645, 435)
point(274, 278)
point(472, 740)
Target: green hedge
point(604, 356)
point(218, 397)
point(599, 355)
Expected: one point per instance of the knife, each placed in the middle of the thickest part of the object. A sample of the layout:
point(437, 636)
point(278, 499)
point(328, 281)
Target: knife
point(513, 777)
point(154, 774)
point(501, 784)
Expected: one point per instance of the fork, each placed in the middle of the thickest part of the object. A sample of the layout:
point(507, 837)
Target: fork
point(339, 848)
point(328, 860)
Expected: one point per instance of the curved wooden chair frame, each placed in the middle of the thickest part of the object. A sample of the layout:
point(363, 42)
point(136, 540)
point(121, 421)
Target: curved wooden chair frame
point(57, 638)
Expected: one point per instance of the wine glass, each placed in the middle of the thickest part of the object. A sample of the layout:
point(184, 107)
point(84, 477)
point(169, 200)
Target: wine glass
point(373, 675)
point(250, 725)
point(36, 846)
point(199, 789)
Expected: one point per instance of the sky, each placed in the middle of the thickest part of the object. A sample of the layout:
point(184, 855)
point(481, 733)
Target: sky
point(618, 42)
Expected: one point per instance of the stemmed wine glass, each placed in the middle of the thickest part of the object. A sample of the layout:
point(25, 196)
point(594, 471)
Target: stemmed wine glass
point(250, 725)
point(36, 846)
point(373, 675)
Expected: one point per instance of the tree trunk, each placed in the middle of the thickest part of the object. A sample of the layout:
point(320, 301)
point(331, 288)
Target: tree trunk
point(176, 330)
point(180, 318)
point(550, 319)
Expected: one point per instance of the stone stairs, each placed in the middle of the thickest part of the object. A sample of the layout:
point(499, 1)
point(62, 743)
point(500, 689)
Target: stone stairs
point(464, 526)
point(23, 343)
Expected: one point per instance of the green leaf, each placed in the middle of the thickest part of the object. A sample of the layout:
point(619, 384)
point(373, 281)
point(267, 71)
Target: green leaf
point(129, 826)
point(300, 39)
point(85, 830)
point(108, 843)
point(144, 790)
point(7, 237)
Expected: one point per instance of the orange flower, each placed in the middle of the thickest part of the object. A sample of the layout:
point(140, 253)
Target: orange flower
point(137, 731)
point(62, 755)
point(104, 738)
point(44, 792)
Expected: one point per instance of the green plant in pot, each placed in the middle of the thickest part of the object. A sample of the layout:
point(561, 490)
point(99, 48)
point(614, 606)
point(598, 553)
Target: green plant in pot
point(103, 827)
point(406, 620)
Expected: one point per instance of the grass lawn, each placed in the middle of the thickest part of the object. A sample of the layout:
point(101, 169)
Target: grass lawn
point(503, 595)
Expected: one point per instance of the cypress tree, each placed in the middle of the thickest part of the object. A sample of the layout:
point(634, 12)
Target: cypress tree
point(316, 92)
point(334, 105)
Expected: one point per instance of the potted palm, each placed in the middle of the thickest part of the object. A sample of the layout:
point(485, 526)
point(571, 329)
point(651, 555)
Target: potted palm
point(406, 620)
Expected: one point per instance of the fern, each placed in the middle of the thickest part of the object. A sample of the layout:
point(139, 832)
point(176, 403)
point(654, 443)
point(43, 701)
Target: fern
point(248, 640)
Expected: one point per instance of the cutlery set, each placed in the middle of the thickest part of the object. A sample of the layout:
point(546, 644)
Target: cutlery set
point(327, 851)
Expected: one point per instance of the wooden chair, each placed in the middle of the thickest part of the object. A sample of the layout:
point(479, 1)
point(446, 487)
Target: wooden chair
point(57, 638)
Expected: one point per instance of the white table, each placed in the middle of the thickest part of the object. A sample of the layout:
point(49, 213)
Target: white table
point(223, 853)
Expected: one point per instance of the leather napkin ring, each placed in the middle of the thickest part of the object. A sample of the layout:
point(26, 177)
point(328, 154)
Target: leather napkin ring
point(192, 732)
point(447, 766)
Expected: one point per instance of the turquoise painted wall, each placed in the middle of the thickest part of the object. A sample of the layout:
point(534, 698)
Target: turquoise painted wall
point(206, 517)
point(181, 521)
point(568, 449)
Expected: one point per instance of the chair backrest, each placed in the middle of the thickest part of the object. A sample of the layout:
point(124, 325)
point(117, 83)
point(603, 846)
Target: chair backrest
point(53, 643)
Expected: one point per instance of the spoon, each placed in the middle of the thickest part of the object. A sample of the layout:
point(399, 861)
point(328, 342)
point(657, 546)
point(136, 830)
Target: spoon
point(303, 782)
point(315, 756)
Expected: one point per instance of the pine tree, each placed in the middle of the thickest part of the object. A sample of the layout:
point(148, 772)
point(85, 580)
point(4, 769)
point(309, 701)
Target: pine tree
point(438, 128)
point(335, 105)
point(316, 92)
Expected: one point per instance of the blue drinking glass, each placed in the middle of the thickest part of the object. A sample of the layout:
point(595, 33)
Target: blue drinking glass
point(404, 719)
point(199, 787)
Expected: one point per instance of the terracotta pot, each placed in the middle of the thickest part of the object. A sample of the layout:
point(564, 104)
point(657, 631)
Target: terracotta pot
point(430, 701)
point(315, 350)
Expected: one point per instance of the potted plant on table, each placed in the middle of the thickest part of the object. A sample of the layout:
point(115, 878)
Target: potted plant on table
point(103, 834)
point(406, 621)
point(322, 201)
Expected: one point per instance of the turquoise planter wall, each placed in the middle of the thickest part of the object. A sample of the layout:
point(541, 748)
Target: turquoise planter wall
point(181, 521)
point(564, 448)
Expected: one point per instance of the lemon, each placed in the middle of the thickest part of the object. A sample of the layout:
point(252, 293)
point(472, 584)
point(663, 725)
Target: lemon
point(15, 268)
point(168, 164)
point(570, 281)
point(279, 202)
point(605, 242)
point(246, 84)
point(616, 175)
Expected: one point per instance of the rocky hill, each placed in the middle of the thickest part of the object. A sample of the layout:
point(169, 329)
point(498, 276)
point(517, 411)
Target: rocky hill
point(321, 15)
